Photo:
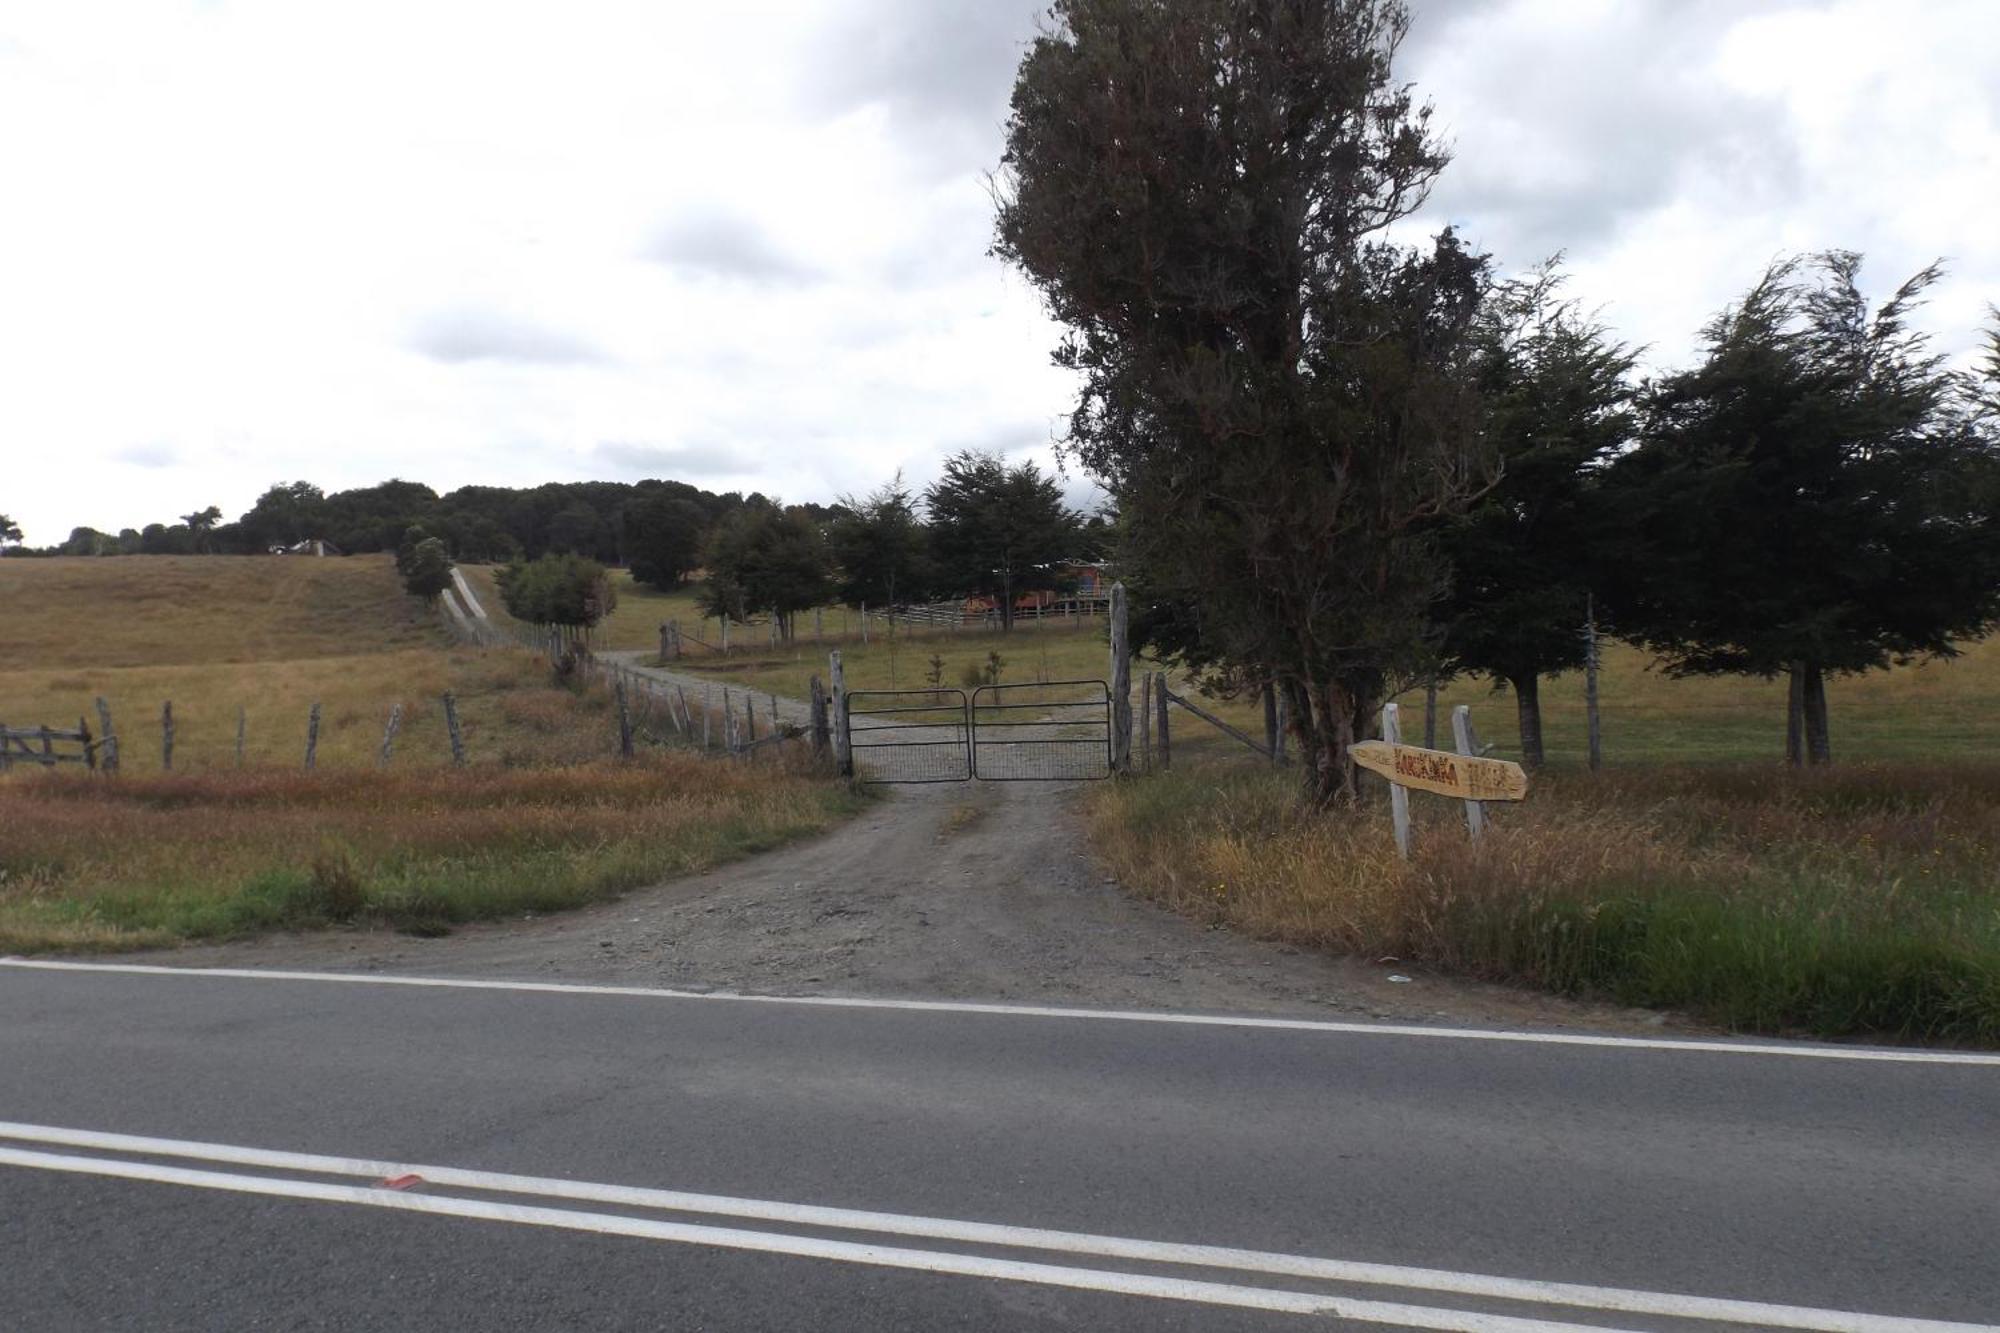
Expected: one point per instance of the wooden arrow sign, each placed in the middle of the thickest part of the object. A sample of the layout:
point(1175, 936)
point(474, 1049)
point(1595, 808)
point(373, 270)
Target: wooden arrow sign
point(1442, 772)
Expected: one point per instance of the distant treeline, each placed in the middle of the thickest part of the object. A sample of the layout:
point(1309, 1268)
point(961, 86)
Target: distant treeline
point(609, 521)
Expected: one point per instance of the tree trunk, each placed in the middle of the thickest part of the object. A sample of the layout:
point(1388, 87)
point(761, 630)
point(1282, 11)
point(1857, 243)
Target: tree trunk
point(1326, 720)
point(1795, 716)
point(1528, 703)
point(1819, 743)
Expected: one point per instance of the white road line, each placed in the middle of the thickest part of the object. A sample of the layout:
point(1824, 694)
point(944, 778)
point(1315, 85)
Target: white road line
point(1797, 1050)
point(1437, 1281)
point(884, 1256)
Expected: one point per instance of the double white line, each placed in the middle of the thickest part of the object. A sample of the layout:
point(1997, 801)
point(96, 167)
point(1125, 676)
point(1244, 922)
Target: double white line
point(394, 1185)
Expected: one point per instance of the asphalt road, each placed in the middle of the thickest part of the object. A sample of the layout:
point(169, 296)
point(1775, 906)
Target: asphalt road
point(268, 1113)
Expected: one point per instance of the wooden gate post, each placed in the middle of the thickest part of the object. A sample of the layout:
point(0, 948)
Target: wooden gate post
point(822, 738)
point(312, 735)
point(1146, 721)
point(1399, 797)
point(1121, 685)
point(843, 743)
point(1467, 743)
point(451, 730)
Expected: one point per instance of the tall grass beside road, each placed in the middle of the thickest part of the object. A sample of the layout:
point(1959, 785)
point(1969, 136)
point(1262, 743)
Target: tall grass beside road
point(94, 864)
point(1857, 901)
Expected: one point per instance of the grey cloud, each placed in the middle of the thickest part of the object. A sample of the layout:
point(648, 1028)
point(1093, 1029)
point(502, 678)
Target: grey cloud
point(468, 334)
point(1559, 142)
point(148, 455)
point(943, 70)
point(675, 462)
point(722, 244)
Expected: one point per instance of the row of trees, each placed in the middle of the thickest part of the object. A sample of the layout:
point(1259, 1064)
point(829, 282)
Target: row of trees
point(984, 528)
point(1343, 465)
point(655, 525)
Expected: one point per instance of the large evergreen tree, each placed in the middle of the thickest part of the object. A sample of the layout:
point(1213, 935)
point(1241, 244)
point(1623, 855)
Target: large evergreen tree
point(763, 558)
point(662, 540)
point(881, 547)
point(1524, 558)
point(1279, 401)
point(996, 530)
point(1814, 498)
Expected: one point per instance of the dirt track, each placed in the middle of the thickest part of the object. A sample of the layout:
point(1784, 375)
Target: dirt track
point(975, 891)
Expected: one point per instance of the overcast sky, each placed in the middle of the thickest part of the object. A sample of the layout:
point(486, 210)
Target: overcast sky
point(743, 244)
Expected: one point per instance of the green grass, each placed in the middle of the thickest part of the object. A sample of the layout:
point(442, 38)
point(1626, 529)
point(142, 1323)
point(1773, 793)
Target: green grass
point(93, 865)
point(1858, 901)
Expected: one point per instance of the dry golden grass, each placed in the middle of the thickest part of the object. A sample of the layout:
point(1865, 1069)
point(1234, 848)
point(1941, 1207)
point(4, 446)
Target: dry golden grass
point(87, 863)
point(125, 611)
point(1863, 899)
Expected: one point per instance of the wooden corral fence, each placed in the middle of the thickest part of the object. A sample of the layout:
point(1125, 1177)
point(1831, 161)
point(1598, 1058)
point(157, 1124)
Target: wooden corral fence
point(47, 747)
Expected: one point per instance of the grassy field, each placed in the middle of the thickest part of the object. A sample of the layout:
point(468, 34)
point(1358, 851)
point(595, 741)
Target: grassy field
point(282, 634)
point(1860, 900)
point(543, 817)
point(94, 865)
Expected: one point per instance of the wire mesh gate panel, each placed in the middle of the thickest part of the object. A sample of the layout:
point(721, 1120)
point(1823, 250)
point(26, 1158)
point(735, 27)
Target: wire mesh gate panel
point(1056, 731)
point(909, 735)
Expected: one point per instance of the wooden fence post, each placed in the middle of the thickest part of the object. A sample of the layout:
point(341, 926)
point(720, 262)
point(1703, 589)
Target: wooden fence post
point(389, 730)
point(687, 714)
point(1121, 686)
point(1595, 733)
point(1399, 796)
point(749, 720)
point(89, 750)
point(864, 624)
point(110, 742)
point(728, 721)
point(843, 743)
point(1146, 722)
point(666, 641)
point(1271, 721)
point(167, 736)
point(624, 717)
point(1467, 742)
point(312, 735)
point(243, 731)
point(821, 737)
point(724, 618)
point(706, 709)
point(774, 631)
point(1160, 708)
point(451, 730)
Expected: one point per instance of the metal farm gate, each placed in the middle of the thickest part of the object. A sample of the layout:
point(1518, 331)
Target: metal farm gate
point(1058, 731)
point(908, 735)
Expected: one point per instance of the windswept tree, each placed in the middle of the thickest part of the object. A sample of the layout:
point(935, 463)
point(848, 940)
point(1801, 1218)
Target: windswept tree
point(1279, 401)
point(998, 531)
point(201, 528)
point(1815, 497)
point(1558, 399)
point(881, 547)
point(10, 532)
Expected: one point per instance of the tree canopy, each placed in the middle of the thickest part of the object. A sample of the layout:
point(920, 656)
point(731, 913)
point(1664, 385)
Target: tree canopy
point(556, 590)
point(881, 548)
point(1280, 402)
point(1814, 497)
point(763, 558)
point(1557, 402)
point(996, 530)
